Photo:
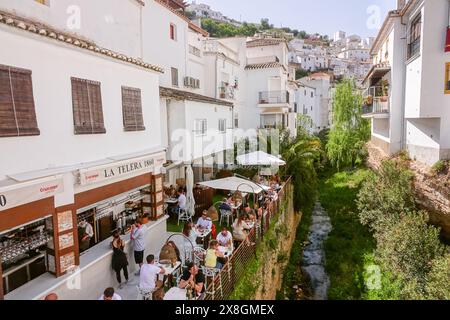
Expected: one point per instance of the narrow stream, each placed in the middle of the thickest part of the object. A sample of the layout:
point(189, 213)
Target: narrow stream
point(314, 253)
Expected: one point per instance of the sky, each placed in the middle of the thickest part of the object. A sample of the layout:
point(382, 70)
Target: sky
point(362, 17)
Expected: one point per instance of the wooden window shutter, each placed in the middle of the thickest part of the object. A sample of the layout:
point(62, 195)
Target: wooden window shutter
point(87, 107)
point(17, 109)
point(133, 119)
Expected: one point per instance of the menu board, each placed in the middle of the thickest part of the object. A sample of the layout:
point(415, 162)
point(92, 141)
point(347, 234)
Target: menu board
point(51, 263)
point(67, 261)
point(159, 197)
point(66, 241)
point(160, 211)
point(65, 221)
point(158, 184)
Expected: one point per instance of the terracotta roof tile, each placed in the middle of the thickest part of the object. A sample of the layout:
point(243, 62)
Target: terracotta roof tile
point(185, 95)
point(264, 66)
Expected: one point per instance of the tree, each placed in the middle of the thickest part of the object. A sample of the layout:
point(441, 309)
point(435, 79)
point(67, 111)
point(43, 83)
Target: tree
point(386, 196)
point(408, 249)
point(438, 279)
point(265, 25)
point(350, 131)
point(301, 73)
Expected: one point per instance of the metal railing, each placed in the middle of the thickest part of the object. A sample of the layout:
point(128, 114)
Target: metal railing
point(234, 270)
point(379, 105)
point(273, 97)
point(194, 50)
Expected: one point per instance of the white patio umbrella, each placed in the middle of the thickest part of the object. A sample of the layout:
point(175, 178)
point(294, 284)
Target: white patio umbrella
point(235, 184)
point(259, 158)
point(190, 201)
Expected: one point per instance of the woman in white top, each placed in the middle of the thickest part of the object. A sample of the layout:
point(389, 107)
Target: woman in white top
point(239, 227)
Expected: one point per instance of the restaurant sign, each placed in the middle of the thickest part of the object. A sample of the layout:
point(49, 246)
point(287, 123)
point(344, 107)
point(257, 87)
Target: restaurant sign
point(119, 169)
point(22, 193)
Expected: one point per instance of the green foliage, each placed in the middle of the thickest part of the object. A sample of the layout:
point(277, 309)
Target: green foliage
point(350, 132)
point(301, 73)
point(408, 247)
point(349, 242)
point(438, 279)
point(385, 196)
point(439, 167)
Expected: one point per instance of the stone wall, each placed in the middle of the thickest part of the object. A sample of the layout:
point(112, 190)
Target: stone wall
point(274, 261)
point(432, 192)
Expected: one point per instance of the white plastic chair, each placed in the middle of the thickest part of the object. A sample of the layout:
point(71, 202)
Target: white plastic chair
point(211, 273)
point(199, 255)
point(225, 215)
point(183, 215)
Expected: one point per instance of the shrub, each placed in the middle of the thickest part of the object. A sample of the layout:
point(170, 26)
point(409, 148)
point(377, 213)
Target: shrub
point(385, 196)
point(439, 167)
point(438, 279)
point(408, 247)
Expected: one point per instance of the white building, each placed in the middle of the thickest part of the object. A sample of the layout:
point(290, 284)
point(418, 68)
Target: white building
point(270, 99)
point(409, 84)
point(81, 136)
point(339, 35)
point(314, 97)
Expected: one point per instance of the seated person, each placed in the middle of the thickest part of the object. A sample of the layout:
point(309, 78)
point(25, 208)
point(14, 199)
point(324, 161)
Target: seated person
point(225, 206)
point(204, 223)
point(225, 238)
point(212, 255)
point(181, 205)
point(109, 295)
point(194, 278)
point(239, 230)
point(149, 274)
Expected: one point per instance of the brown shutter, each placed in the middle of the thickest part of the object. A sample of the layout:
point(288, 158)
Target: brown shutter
point(17, 109)
point(95, 102)
point(132, 109)
point(8, 126)
point(87, 107)
point(24, 102)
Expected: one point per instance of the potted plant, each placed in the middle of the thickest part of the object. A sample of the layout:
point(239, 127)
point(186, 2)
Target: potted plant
point(368, 101)
point(385, 90)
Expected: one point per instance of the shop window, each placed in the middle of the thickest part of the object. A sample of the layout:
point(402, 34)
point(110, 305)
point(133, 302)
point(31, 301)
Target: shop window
point(415, 32)
point(447, 78)
point(87, 107)
point(133, 119)
point(17, 110)
point(174, 74)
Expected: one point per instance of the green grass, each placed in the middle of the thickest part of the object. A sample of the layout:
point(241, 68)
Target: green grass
point(350, 243)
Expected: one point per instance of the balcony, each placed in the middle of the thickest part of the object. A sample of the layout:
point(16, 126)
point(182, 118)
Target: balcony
point(274, 99)
point(376, 103)
point(227, 92)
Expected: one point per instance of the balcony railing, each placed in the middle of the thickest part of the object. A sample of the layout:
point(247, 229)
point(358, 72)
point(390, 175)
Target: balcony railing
point(274, 97)
point(380, 105)
point(228, 93)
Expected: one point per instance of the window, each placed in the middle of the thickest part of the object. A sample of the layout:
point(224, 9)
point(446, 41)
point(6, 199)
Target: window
point(175, 77)
point(312, 94)
point(447, 78)
point(132, 109)
point(236, 121)
point(173, 32)
point(415, 32)
point(200, 127)
point(87, 107)
point(17, 111)
point(222, 125)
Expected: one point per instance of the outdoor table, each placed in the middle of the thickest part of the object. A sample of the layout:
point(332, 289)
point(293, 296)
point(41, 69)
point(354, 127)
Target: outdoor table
point(171, 201)
point(227, 251)
point(176, 294)
point(170, 271)
point(202, 235)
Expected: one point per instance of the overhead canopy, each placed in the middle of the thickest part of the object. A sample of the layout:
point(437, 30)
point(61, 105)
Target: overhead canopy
point(235, 184)
point(259, 158)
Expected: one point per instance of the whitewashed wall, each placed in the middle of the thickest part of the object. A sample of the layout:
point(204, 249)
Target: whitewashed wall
point(57, 144)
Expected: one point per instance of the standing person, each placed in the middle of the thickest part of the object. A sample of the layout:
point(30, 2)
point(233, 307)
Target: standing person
point(239, 233)
point(119, 258)
point(194, 278)
point(87, 232)
point(109, 295)
point(137, 235)
point(149, 273)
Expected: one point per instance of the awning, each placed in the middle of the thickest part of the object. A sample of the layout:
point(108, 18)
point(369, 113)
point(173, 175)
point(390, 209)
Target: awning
point(447, 43)
point(259, 158)
point(235, 184)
